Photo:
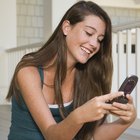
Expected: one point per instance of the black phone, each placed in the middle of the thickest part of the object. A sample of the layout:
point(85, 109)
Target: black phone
point(127, 87)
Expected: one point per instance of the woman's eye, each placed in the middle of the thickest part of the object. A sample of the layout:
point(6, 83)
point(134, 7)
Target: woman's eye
point(89, 34)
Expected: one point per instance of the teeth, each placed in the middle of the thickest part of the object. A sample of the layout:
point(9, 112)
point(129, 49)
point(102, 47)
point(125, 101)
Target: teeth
point(86, 50)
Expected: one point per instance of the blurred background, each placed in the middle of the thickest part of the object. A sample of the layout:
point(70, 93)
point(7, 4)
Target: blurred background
point(26, 24)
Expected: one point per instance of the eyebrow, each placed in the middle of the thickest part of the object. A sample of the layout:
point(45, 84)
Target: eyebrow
point(93, 29)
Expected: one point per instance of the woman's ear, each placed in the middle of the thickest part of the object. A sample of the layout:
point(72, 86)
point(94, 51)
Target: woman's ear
point(66, 27)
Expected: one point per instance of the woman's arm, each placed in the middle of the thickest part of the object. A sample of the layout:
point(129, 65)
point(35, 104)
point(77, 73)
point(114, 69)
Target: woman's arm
point(92, 110)
point(126, 114)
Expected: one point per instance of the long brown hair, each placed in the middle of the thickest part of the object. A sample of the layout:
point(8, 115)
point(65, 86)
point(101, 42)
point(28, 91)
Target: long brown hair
point(91, 79)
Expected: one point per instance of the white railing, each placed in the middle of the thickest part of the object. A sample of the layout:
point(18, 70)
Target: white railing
point(126, 54)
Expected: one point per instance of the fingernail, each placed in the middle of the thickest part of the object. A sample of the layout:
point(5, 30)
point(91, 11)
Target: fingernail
point(122, 92)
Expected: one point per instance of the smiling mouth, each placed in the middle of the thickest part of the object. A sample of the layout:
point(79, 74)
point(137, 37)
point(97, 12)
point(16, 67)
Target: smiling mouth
point(86, 50)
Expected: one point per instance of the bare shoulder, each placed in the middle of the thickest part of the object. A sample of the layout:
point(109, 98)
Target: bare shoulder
point(28, 75)
point(27, 70)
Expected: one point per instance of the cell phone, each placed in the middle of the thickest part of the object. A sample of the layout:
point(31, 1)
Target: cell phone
point(127, 87)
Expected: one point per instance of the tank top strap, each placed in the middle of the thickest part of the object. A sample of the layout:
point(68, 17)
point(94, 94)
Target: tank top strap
point(40, 70)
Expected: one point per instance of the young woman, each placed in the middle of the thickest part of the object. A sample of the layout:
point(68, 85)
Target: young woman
point(60, 91)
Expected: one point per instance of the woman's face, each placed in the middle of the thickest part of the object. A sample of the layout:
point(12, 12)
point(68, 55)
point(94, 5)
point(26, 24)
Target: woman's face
point(84, 38)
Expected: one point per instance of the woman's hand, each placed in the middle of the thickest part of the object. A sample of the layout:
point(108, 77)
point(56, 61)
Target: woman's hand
point(96, 108)
point(126, 112)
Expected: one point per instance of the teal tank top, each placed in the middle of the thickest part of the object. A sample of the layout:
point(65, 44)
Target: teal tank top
point(23, 127)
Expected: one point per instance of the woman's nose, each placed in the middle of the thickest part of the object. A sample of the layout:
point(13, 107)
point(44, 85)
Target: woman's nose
point(93, 42)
